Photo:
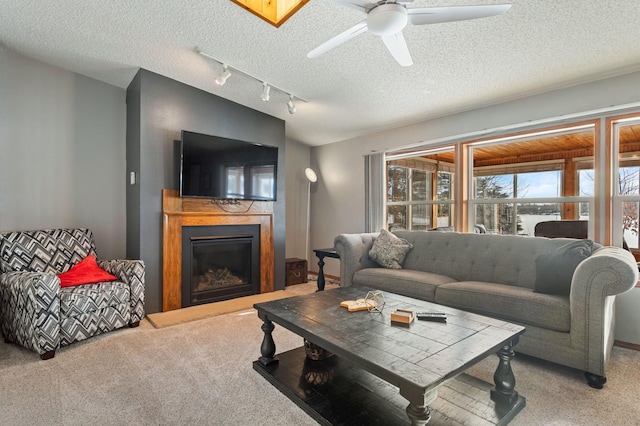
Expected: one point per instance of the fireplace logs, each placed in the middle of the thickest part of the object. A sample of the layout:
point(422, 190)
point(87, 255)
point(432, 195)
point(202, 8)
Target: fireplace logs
point(217, 278)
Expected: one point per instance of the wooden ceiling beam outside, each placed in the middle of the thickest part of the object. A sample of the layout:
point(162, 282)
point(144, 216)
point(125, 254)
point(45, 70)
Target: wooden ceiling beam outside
point(559, 155)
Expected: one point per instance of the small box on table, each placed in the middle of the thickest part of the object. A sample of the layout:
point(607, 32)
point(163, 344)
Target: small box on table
point(403, 316)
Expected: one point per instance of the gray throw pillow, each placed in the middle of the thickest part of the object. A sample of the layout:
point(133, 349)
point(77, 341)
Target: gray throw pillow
point(554, 270)
point(389, 251)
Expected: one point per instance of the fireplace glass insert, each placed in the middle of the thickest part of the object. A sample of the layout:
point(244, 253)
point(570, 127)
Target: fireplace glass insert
point(219, 263)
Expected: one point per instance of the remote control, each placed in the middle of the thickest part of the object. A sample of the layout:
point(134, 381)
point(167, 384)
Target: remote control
point(428, 316)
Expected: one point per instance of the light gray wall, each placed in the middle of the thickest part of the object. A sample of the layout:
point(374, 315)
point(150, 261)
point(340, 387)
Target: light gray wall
point(297, 191)
point(62, 152)
point(628, 317)
point(338, 204)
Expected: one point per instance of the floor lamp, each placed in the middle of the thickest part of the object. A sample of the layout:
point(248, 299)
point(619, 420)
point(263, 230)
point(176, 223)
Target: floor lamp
point(311, 178)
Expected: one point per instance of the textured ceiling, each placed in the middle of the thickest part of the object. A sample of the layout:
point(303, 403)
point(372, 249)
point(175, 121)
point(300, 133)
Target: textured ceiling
point(353, 90)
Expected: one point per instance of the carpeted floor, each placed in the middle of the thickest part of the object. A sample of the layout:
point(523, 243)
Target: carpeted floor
point(200, 373)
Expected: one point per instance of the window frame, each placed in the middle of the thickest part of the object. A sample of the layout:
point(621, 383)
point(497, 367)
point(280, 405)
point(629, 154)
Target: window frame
point(617, 200)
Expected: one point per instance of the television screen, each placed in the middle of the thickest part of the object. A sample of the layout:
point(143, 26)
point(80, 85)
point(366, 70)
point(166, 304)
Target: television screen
point(217, 167)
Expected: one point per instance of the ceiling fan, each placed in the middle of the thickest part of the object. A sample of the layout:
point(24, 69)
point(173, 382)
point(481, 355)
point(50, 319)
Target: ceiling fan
point(387, 19)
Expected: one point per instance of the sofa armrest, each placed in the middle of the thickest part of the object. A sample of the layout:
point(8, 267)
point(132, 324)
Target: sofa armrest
point(354, 254)
point(609, 271)
point(30, 310)
point(130, 272)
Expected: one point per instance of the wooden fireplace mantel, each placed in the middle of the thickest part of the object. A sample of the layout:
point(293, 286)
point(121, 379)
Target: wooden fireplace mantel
point(179, 212)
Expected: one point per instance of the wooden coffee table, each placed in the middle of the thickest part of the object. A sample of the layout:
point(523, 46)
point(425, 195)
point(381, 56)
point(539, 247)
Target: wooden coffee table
point(379, 365)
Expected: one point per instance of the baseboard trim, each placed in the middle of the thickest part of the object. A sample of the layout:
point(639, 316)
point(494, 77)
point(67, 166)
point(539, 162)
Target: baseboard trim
point(327, 276)
point(627, 345)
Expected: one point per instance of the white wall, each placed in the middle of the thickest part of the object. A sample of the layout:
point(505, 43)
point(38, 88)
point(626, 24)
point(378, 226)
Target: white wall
point(62, 152)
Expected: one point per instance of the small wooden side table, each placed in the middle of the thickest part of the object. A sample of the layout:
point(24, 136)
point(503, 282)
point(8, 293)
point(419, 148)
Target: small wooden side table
point(321, 254)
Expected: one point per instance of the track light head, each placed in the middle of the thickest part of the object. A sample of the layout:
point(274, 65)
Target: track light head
point(222, 78)
point(291, 106)
point(265, 92)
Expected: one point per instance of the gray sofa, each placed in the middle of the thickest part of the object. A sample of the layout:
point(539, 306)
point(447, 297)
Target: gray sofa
point(496, 276)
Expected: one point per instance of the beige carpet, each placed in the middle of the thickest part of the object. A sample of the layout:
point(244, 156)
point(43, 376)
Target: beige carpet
point(193, 313)
point(200, 373)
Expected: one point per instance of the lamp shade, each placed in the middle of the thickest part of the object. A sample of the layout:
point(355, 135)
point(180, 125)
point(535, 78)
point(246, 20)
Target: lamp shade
point(310, 174)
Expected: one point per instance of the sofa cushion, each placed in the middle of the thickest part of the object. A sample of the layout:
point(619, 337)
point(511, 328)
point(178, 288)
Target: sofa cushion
point(418, 284)
point(82, 326)
point(389, 251)
point(554, 270)
point(514, 304)
point(81, 300)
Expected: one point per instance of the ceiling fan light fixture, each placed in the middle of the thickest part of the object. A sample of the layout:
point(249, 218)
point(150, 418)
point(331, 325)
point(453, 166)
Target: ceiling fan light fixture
point(265, 92)
point(221, 79)
point(387, 19)
point(291, 106)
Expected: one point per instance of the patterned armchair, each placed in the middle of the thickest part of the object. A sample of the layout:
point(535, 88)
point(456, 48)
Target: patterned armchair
point(35, 312)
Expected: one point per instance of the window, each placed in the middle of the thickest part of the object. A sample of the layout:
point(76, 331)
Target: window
point(510, 183)
point(420, 190)
point(626, 191)
point(513, 217)
point(521, 181)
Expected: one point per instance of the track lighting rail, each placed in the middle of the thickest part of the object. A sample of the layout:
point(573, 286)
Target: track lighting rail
point(228, 70)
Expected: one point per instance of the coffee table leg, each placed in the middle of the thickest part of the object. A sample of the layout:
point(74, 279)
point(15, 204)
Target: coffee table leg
point(418, 409)
point(419, 416)
point(268, 347)
point(505, 382)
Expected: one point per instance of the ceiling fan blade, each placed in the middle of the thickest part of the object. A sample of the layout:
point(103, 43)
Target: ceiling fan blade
point(436, 15)
point(361, 5)
point(398, 48)
point(357, 29)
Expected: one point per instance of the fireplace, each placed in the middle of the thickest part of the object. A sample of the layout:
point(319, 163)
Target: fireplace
point(180, 213)
point(219, 262)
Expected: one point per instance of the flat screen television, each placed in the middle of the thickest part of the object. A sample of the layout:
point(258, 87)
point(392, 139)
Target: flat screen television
point(230, 169)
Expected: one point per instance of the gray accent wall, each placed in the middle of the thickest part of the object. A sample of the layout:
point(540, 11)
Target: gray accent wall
point(158, 108)
point(62, 152)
